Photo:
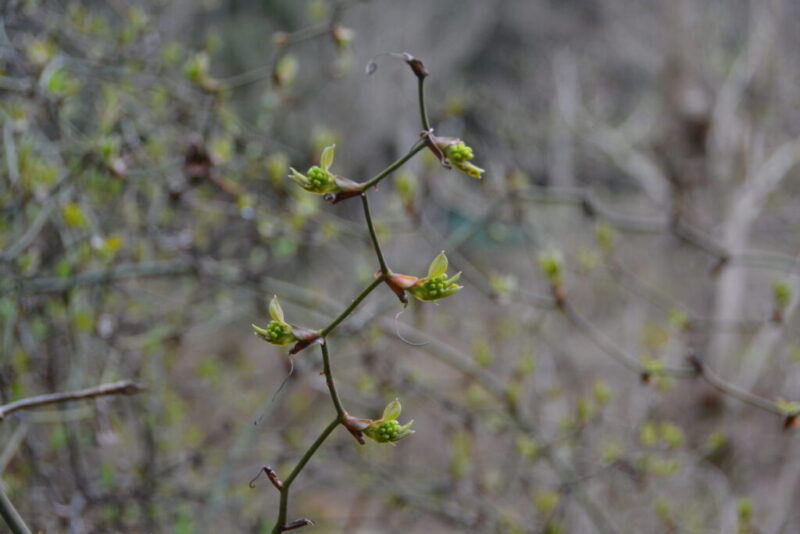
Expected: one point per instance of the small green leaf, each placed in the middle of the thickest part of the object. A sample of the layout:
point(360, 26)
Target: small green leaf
point(326, 159)
point(392, 410)
point(275, 310)
point(438, 266)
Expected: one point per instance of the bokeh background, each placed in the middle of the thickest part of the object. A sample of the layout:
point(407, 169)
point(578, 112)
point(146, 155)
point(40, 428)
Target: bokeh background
point(147, 221)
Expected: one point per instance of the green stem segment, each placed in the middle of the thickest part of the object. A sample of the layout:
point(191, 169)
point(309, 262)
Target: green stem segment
point(342, 316)
point(280, 525)
point(10, 515)
point(426, 125)
point(337, 402)
point(394, 166)
point(374, 236)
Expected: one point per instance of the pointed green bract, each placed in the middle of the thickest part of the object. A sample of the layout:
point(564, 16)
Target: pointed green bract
point(392, 410)
point(438, 266)
point(326, 159)
point(275, 310)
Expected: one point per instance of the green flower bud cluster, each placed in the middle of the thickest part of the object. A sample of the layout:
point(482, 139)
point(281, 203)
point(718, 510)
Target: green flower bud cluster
point(386, 432)
point(319, 179)
point(435, 288)
point(387, 429)
point(460, 155)
point(278, 331)
point(459, 152)
point(436, 285)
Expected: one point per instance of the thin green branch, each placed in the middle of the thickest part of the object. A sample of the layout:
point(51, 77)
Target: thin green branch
point(374, 236)
point(342, 316)
point(326, 363)
point(394, 166)
point(280, 525)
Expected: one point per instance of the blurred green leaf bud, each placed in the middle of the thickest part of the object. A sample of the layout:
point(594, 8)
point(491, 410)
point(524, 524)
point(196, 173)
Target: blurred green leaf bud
point(782, 295)
point(602, 393)
point(342, 36)
point(285, 71)
point(552, 265)
point(605, 236)
point(197, 71)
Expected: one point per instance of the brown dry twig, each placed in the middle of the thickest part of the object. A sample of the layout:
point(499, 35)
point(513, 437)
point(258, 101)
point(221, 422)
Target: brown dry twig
point(123, 387)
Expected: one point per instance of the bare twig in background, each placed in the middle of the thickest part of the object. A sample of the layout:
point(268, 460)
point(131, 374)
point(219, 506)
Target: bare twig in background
point(123, 387)
point(11, 516)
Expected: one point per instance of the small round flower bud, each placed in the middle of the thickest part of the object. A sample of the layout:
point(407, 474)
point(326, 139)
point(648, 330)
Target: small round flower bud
point(318, 177)
point(459, 153)
point(276, 333)
point(434, 286)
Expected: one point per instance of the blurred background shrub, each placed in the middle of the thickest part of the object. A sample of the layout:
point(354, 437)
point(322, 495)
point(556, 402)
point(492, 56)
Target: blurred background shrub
point(648, 148)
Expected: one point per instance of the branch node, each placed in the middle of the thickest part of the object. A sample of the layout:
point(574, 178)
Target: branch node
point(417, 67)
point(271, 475)
point(297, 523)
